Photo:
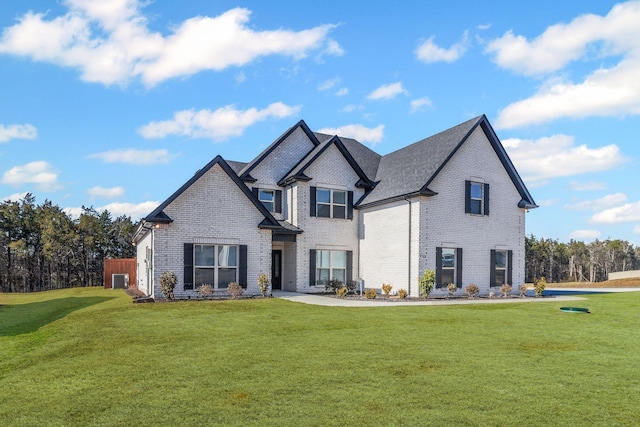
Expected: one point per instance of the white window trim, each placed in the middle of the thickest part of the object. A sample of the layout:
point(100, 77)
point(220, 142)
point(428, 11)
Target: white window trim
point(330, 268)
point(331, 203)
point(216, 265)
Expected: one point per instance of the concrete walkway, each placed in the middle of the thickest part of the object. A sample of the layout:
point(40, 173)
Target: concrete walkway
point(338, 302)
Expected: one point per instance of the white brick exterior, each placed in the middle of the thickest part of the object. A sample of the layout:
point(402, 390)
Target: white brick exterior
point(441, 221)
point(392, 242)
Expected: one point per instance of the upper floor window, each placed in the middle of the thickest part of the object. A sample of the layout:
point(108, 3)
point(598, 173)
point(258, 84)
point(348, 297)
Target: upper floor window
point(267, 198)
point(476, 198)
point(270, 199)
point(331, 203)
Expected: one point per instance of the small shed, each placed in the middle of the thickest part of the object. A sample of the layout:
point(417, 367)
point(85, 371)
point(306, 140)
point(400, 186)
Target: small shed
point(119, 272)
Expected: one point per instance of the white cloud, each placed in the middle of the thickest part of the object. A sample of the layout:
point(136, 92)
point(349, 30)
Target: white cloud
point(217, 125)
point(557, 156)
point(429, 52)
point(584, 234)
point(389, 91)
point(598, 204)
point(39, 173)
point(16, 197)
point(629, 212)
point(605, 91)
point(358, 132)
point(108, 193)
point(110, 42)
point(420, 104)
point(10, 132)
point(587, 186)
point(133, 156)
point(116, 209)
point(329, 84)
point(342, 91)
point(351, 108)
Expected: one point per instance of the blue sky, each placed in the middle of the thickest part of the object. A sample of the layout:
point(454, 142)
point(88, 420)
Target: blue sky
point(115, 104)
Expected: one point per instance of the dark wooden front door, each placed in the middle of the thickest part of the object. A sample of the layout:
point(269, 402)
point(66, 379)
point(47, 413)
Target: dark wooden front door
point(276, 269)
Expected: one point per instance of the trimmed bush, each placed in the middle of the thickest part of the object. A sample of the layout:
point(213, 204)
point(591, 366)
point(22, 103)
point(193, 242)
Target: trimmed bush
point(205, 290)
point(426, 282)
point(539, 285)
point(402, 293)
point(370, 293)
point(472, 290)
point(506, 290)
point(386, 288)
point(451, 288)
point(168, 282)
point(235, 290)
point(523, 290)
point(263, 283)
point(342, 291)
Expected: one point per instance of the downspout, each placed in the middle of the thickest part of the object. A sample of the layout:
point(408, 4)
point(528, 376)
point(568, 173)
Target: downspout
point(409, 249)
point(153, 264)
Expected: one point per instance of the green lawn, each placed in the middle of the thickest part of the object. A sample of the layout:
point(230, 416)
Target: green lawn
point(90, 357)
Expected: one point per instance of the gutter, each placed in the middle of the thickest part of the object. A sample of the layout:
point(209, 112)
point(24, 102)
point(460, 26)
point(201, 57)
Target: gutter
point(409, 249)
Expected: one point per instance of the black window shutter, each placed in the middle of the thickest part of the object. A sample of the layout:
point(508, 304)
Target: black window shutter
point(312, 202)
point(255, 191)
point(510, 267)
point(188, 266)
point(459, 268)
point(467, 197)
point(349, 266)
point(350, 205)
point(486, 199)
point(312, 267)
point(438, 267)
point(278, 201)
point(492, 268)
point(242, 266)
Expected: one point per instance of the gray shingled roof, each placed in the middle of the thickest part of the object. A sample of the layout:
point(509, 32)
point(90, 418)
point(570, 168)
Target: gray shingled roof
point(409, 169)
point(236, 166)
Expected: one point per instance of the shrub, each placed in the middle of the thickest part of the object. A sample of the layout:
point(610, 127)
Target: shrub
point(370, 293)
point(402, 293)
point(205, 290)
point(426, 282)
point(523, 290)
point(334, 284)
point(235, 290)
point(472, 290)
point(342, 291)
point(386, 288)
point(539, 285)
point(263, 283)
point(452, 288)
point(168, 282)
point(506, 290)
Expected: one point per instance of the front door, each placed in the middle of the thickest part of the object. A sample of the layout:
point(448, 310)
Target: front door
point(276, 269)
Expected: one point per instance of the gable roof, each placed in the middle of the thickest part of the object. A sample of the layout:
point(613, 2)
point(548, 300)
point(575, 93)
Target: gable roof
point(367, 159)
point(409, 170)
point(159, 216)
point(298, 171)
point(245, 173)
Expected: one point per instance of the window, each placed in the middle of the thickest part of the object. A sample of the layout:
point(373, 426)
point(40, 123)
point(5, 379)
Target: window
point(476, 198)
point(216, 265)
point(448, 267)
point(267, 198)
point(331, 203)
point(501, 268)
point(331, 265)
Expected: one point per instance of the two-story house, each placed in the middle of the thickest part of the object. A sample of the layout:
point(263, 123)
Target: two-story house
point(313, 207)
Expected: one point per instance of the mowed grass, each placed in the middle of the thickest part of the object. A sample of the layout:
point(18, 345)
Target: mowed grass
point(89, 357)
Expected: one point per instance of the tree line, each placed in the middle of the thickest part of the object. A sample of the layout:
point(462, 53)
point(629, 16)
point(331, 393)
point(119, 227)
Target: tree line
point(42, 247)
point(578, 261)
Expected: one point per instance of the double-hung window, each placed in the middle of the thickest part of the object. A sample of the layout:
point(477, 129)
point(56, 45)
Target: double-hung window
point(267, 198)
point(501, 268)
point(476, 198)
point(330, 265)
point(448, 267)
point(331, 203)
point(216, 265)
